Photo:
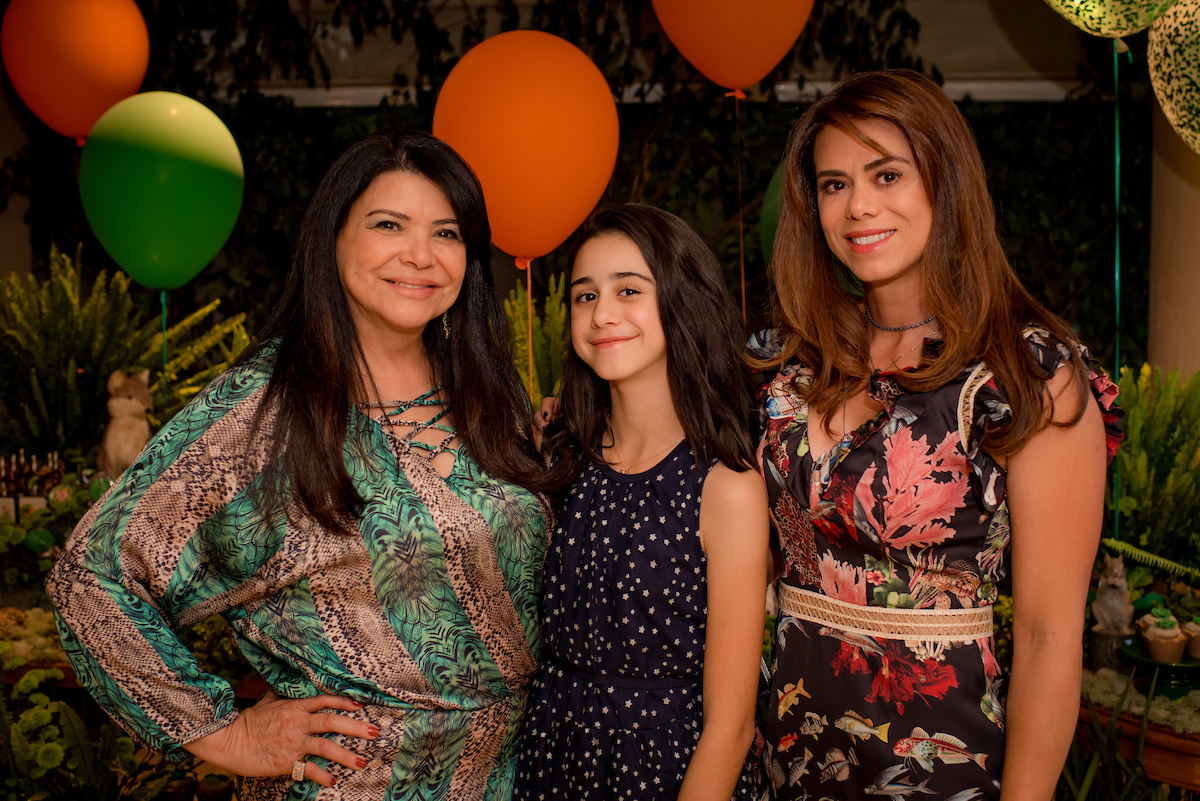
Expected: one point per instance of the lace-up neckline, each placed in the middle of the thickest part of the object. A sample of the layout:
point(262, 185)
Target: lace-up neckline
point(409, 431)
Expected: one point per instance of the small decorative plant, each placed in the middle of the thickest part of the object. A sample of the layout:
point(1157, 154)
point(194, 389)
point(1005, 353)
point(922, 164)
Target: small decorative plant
point(59, 347)
point(27, 550)
point(46, 753)
point(550, 337)
point(1154, 480)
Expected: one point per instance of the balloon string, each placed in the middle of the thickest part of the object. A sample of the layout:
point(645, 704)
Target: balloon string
point(162, 297)
point(1117, 264)
point(738, 96)
point(523, 264)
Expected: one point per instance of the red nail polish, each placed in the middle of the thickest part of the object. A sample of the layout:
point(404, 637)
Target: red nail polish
point(373, 732)
point(362, 763)
point(333, 782)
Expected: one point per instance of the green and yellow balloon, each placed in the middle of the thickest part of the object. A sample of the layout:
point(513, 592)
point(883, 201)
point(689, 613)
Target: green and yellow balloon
point(161, 182)
point(1111, 18)
point(1174, 60)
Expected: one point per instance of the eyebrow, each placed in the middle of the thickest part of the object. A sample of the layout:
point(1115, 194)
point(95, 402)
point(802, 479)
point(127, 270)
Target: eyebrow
point(401, 216)
point(879, 162)
point(587, 279)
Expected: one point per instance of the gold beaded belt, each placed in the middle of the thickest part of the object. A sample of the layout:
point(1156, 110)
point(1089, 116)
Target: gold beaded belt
point(911, 625)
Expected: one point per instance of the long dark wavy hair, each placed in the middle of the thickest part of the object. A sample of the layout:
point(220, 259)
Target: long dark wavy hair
point(319, 373)
point(968, 283)
point(704, 348)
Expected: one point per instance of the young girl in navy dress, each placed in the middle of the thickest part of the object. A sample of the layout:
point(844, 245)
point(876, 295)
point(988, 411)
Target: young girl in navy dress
point(656, 571)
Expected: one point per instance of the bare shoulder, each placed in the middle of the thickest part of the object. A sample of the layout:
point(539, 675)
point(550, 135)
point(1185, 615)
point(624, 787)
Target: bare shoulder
point(731, 489)
point(734, 521)
point(1064, 387)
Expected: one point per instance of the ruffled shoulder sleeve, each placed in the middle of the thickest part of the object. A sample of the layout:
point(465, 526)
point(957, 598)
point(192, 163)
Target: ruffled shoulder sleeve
point(984, 407)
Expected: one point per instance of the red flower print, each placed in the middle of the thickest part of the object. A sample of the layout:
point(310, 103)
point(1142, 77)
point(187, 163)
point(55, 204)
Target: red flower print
point(902, 678)
point(849, 657)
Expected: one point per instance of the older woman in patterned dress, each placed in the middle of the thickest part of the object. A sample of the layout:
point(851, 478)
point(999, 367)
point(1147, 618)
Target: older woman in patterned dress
point(357, 496)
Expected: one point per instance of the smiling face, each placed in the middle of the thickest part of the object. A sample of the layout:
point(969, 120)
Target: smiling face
point(874, 209)
point(400, 257)
point(615, 326)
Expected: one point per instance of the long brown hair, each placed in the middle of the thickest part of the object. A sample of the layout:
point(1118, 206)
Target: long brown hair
point(968, 283)
point(317, 375)
point(704, 347)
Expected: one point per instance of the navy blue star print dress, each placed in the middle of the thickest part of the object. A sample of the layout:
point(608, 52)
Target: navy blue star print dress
point(615, 710)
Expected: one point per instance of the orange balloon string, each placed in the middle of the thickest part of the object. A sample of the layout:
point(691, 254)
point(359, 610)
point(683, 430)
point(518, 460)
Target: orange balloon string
point(738, 96)
point(523, 264)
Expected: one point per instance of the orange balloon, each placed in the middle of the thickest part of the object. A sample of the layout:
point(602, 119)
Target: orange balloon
point(735, 43)
point(536, 121)
point(73, 60)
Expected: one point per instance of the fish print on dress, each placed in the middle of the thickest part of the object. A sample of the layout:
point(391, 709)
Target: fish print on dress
point(906, 512)
point(615, 710)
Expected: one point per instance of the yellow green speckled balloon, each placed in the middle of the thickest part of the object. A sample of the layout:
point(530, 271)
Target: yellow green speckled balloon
point(1111, 18)
point(1174, 60)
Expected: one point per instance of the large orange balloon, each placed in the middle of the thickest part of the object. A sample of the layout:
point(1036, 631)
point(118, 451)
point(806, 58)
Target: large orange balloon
point(72, 60)
point(536, 121)
point(735, 43)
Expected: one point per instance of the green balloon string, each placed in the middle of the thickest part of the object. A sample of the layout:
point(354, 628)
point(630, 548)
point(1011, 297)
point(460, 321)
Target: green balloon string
point(162, 298)
point(1117, 262)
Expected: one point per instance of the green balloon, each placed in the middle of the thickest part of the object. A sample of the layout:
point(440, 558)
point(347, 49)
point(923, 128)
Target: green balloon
point(161, 182)
point(1111, 18)
point(1173, 56)
point(770, 212)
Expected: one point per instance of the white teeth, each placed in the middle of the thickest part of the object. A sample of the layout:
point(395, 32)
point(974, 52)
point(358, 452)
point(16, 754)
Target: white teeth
point(866, 240)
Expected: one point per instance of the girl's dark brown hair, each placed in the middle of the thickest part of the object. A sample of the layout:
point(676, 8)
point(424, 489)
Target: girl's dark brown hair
point(968, 283)
point(317, 375)
point(704, 347)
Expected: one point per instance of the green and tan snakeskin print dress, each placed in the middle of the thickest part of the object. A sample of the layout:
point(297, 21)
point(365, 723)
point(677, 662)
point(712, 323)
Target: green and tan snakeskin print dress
point(428, 614)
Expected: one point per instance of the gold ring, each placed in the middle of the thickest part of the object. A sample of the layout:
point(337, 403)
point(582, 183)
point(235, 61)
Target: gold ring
point(298, 770)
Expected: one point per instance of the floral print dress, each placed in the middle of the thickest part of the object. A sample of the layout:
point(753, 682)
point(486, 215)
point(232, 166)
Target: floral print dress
point(904, 521)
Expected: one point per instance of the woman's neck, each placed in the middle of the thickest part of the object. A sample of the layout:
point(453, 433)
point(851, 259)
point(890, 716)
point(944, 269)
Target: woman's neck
point(643, 421)
point(895, 306)
point(395, 370)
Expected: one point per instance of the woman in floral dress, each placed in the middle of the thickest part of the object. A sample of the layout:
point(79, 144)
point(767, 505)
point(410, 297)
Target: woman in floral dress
point(922, 440)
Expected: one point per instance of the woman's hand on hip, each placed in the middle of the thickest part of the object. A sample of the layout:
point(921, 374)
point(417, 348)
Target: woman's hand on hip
point(269, 738)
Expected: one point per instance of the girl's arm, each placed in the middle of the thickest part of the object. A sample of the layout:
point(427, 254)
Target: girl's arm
point(734, 533)
point(1055, 498)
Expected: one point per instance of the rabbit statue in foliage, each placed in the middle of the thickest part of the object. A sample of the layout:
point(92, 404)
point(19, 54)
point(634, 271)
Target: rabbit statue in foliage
point(128, 430)
point(1112, 608)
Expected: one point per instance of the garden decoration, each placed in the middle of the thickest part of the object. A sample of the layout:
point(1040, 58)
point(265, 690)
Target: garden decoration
point(734, 45)
point(536, 120)
point(63, 339)
point(1113, 612)
point(128, 429)
point(72, 60)
point(1174, 61)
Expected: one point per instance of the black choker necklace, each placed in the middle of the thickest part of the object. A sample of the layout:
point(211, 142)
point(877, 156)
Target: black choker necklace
point(871, 320)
